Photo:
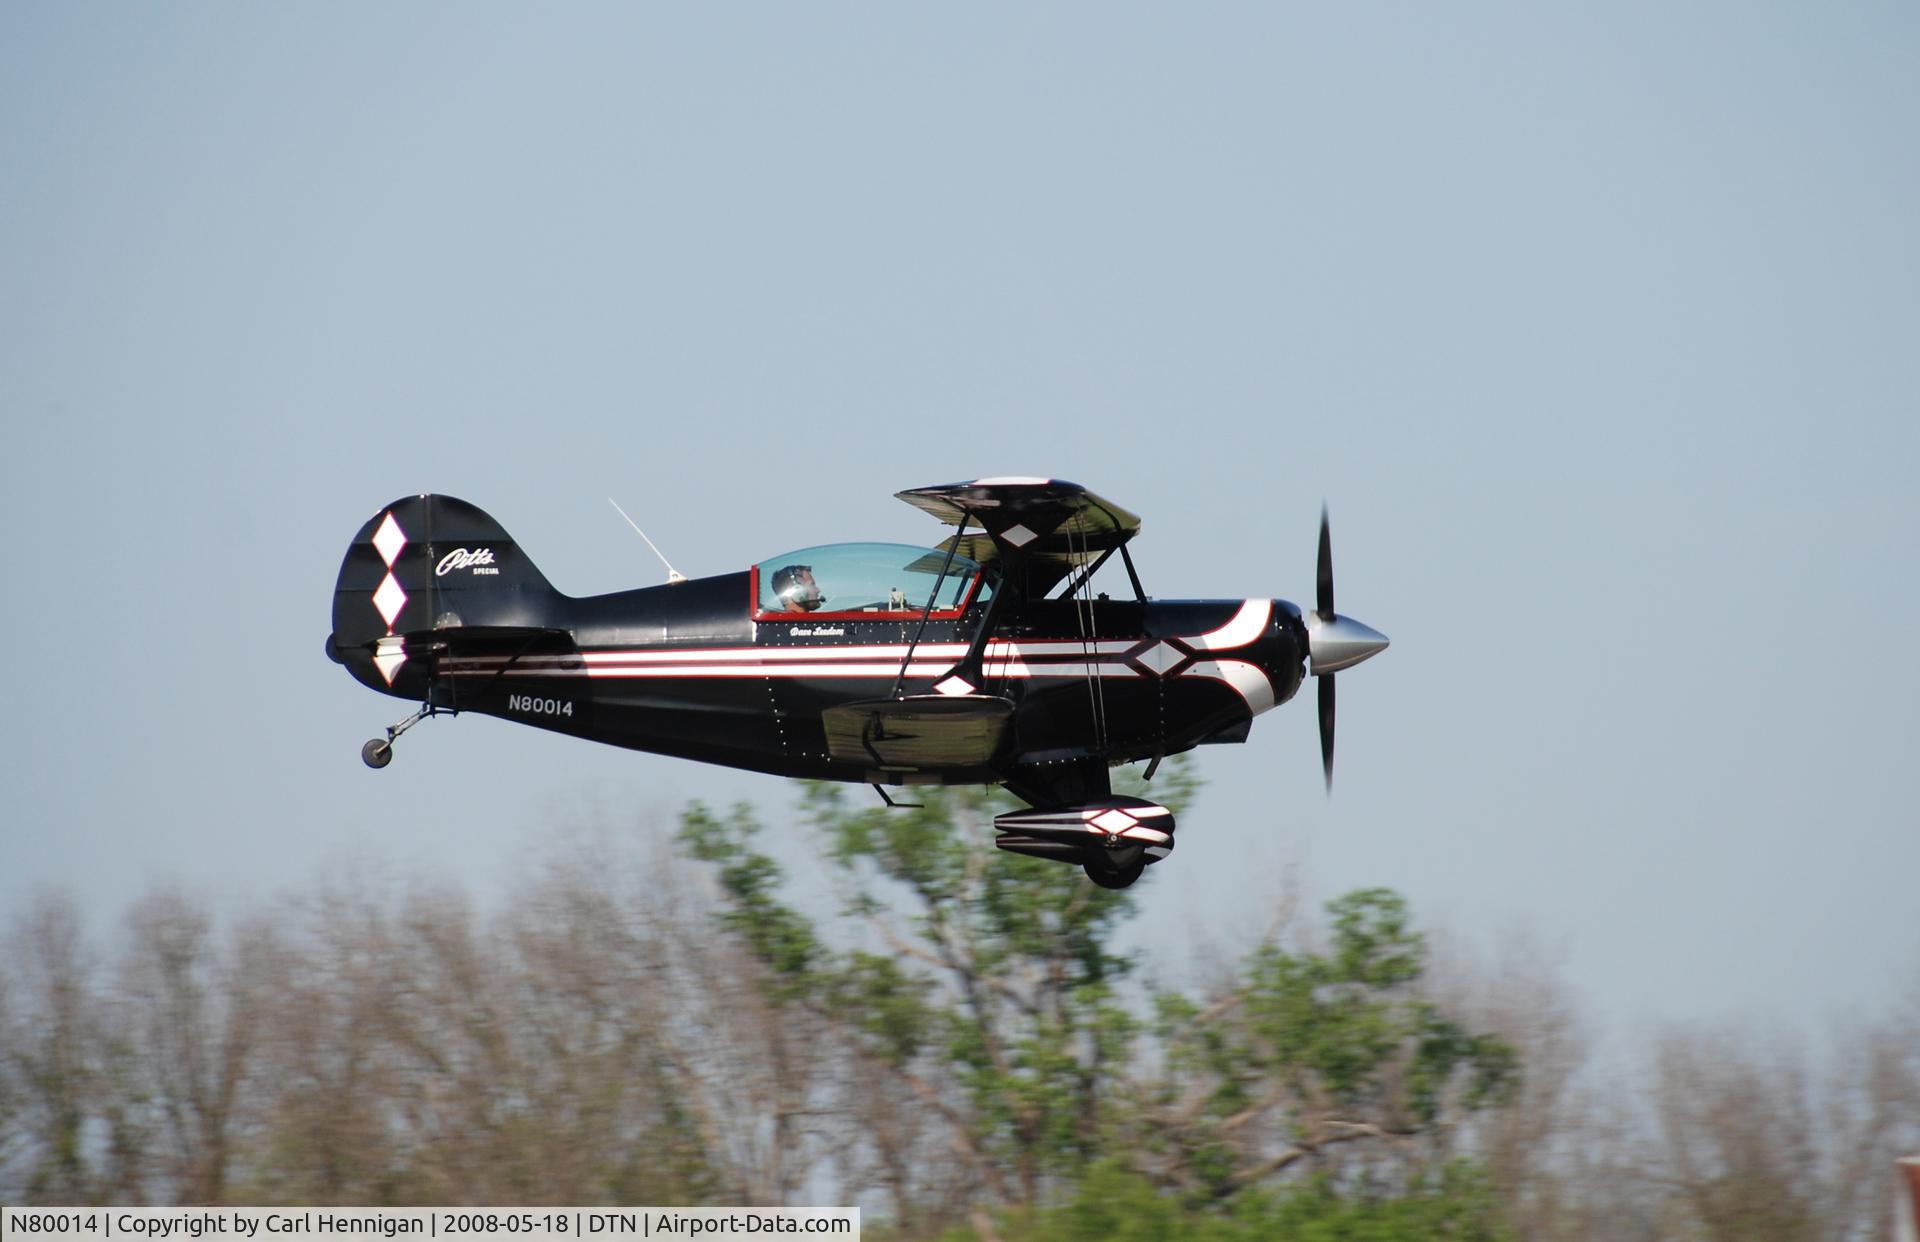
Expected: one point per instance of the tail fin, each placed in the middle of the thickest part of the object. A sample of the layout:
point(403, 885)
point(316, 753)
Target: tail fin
point(429, 563)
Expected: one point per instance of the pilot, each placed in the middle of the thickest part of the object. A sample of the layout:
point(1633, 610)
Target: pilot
point(794, 587)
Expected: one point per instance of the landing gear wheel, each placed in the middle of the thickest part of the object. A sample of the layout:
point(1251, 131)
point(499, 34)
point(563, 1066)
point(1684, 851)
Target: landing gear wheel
point(1110, 877)
point(379, 752)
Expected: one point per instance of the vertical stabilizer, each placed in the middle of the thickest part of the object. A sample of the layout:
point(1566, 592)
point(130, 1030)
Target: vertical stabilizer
point(429, 563)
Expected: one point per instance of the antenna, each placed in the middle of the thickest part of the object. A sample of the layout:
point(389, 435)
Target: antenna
point(673, 575)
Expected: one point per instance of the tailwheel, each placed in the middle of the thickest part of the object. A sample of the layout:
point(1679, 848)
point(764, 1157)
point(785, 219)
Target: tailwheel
point(378, 753)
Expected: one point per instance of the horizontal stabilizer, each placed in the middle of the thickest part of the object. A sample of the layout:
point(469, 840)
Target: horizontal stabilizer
point(919, 733)
point(461, 641)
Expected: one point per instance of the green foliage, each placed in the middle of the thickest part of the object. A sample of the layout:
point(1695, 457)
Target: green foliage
point(990, 985)
point(1341, 1017)
point(995, 970)
point(884, 1002)
point(779, 936)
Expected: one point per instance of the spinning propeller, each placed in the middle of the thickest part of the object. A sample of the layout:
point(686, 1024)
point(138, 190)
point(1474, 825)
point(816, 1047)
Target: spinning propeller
point(1334, 642)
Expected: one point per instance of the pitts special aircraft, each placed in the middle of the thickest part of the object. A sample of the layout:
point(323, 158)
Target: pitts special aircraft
point(985, 660)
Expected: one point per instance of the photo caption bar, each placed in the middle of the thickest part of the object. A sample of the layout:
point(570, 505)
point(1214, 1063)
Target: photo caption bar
point(87, 1224)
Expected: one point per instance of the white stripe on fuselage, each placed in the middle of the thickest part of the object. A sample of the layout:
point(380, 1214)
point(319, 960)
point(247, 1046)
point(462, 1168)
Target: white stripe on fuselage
point(1002, 659)
point(990, 669)
point(996, 651)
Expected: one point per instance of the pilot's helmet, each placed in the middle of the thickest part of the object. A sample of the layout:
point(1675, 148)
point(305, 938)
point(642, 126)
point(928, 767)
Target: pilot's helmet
point(794, 587)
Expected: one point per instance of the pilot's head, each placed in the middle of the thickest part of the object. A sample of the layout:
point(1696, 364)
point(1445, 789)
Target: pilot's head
point(794, 587)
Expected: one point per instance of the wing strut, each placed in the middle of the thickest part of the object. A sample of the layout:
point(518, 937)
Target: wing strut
point(882, 791)
point(952, 547)
point(1086, 575)
point(1133, 575)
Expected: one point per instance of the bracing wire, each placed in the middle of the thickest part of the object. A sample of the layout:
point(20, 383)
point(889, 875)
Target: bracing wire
point(1096, 693)
point(900, 682)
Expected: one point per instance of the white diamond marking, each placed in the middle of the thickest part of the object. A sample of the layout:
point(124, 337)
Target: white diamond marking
point(1018, 536)
point(1115, 821)
point(389, 599)
point(389, 662)
point(955, 685)
point(389, 539)
point(1161, 657)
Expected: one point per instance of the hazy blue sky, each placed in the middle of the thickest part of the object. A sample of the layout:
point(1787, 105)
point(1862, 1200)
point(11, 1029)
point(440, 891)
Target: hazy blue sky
point(1596, 328)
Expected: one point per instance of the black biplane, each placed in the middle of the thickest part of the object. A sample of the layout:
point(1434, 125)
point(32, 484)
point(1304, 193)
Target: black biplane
point(984, 660)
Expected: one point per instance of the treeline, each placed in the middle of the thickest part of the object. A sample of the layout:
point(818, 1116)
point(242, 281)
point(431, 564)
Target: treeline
point(950, 1039)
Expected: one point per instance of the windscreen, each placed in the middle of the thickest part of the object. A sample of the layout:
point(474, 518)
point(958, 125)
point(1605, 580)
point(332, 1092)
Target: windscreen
point(863, 578)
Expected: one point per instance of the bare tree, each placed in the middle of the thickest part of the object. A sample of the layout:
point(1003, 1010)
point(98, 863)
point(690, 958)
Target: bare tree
point(1735, 1139)
point(752, 1076)
point(70, 1065)
point(631, 1027)
point(595, 1043)
point(330, 1090)
point(1871, 1117)
point(1547, 1144)
point(12, 1096)
point(193, 1010)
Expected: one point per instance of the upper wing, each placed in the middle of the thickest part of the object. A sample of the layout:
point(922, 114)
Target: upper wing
point(1051, 526)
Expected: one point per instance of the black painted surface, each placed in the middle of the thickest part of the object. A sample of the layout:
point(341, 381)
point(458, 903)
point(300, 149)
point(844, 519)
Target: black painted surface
point(493, 636)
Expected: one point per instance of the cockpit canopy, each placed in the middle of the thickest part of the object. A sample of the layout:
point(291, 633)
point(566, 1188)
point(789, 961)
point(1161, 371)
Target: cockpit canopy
point(862, 579)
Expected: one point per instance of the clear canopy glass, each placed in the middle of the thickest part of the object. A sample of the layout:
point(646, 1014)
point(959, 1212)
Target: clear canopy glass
point(863, 578)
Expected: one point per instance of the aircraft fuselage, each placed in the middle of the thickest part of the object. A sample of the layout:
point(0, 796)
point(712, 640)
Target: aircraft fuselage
point(686, 670)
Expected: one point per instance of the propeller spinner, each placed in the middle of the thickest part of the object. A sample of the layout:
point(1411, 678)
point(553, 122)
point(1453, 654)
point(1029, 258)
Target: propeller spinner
point(1334, 642)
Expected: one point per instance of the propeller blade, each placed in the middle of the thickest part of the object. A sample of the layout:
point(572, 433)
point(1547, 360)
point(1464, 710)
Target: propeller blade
point(1323, 584)
point(1326, 727)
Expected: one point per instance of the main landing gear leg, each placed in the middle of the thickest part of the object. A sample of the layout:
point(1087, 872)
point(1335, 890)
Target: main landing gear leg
point(378, 753)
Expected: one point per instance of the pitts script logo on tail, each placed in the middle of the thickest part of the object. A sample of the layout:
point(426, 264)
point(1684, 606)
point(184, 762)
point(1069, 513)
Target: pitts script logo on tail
point(461, 558)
